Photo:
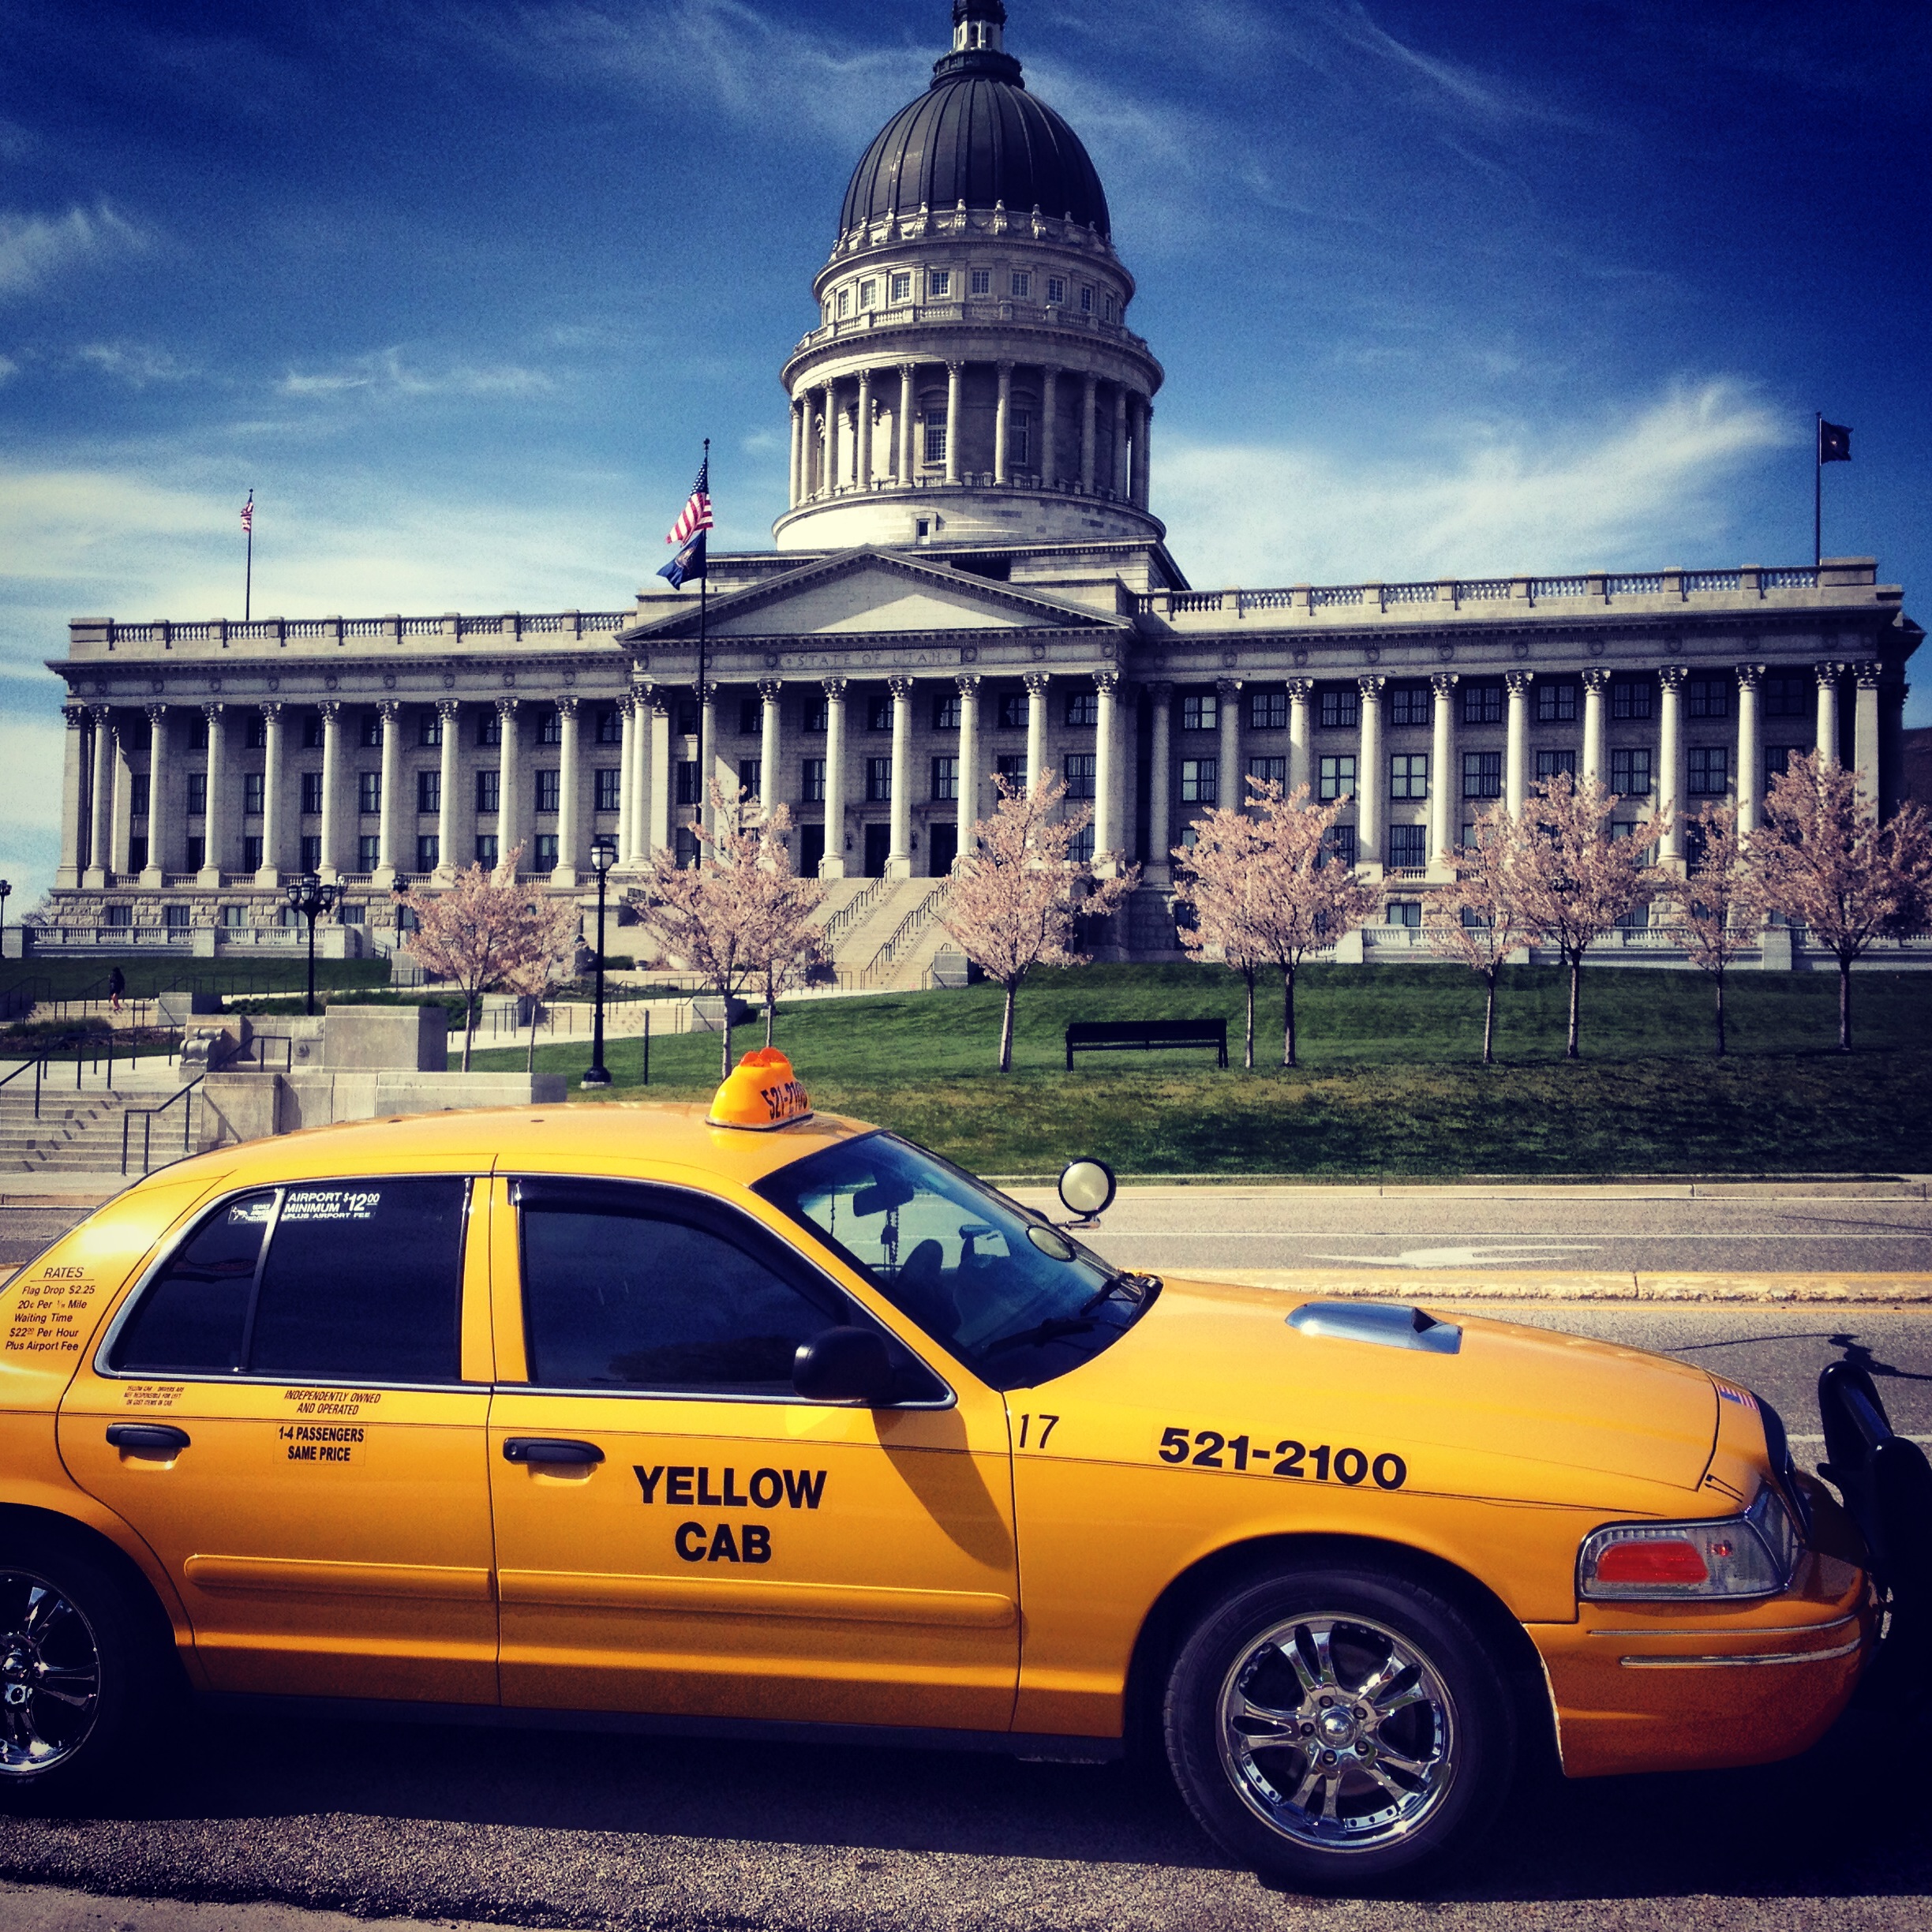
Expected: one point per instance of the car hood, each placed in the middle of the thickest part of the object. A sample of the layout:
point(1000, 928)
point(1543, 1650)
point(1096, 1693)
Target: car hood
point(1494, 1410)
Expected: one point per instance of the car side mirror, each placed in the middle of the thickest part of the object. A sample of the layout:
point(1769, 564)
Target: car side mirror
point(1087, 1187)
point(844, 1365)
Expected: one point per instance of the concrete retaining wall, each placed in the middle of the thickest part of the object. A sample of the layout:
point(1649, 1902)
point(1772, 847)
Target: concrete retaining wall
point(250, 1106)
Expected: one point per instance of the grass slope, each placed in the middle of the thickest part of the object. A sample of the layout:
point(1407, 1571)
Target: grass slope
point(1390, 1082)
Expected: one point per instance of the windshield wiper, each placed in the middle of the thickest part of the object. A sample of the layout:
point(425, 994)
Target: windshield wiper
point(1041, 1332)
point(1140, 1290)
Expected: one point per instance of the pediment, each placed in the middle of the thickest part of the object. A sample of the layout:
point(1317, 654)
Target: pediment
point(873, 592)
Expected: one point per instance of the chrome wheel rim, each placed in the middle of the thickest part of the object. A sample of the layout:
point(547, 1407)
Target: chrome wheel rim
point(1338, 1732)
point(50, 1676)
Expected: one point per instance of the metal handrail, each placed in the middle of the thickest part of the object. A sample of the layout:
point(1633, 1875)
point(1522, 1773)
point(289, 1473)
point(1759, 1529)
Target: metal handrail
point(855, 909)
point(148, 1119)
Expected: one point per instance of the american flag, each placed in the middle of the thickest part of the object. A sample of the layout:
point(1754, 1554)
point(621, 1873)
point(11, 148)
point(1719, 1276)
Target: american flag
point(696, 515)
point(248, 515)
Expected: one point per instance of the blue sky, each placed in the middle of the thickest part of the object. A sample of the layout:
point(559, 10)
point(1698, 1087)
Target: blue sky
point(457, 285)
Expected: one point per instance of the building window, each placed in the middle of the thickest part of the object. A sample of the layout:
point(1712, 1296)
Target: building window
point(1549, 763)
point(1408, 847)
point(312, 791)
point(257, 736)
point(1011, 765)
point(1709, 698)
point(372, 730)
point(1086, 300)
point(1200, 713)
point(982, 281)
point(311, 731)
point(251, 855)
point(1023, 284)
point(489, 789)
point(428, 851)
point(1340, 842)
point(814, 789)
point(946, 713)
point(1056, 289)
point(1267, 711)
point(936, 441)
point(1201, 782)
point(197, 731)
point(1482, 774)
point(1109, 308)
point(938, 284)
point(197, 852)
point(1790, 697)
point(489, 726)
point(311, 853)
point(429, 791)
point(1020, 440)
point(1012, 710)
point(1709, 775)
point(1409, 704)
point(879, 712)
point(687, 781)
point(1269, 770)
point(750, 720)
point(902, 286)
point(751, 778)
point(233, 915)
point(369, 851)
point(430, 728)
point(1080, 847)
point(1631, 699)
point(368, 791)
point(550, 729)
point(1556, 704)
point(609, 795)
point(1406, 912)
point(1778, 758)
point(868, 292)
point(945, 778)
point(137, 795)
point(197, 795)
point(546, 859)
point(1079, 769)
point(1340, 710)
point(1409, 775)
point(687, 718)
point(1083, 708)
point(844, 302)
point(254, 791)
point(122, 915)
point(174, 918)
point(878, 781)
point(486, 849)
point(1636, 919)
point(549, 791)
point(609, 725)
point(1482, 704)
point(685, 845)
point(1630, 771)
point(817, 712)
point(1337, 779)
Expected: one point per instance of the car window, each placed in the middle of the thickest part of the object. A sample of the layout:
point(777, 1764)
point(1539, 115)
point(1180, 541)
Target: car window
point(643, 1297)
point(361, 1281)
point(1012, 1297)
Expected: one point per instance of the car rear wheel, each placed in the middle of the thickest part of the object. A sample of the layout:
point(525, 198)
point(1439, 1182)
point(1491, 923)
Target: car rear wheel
point(1333, 1727)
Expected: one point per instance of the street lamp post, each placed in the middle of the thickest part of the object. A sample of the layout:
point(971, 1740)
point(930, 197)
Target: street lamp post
point(307, 896)
point(7, 892)
point(603, 856)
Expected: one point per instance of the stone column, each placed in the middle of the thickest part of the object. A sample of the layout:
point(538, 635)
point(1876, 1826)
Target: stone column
point(1160, 782)
point(798, 451)
point(1516, 754)
point(1049, 418)
point(1865, 731)
point(955, 374)
point(123, 807)
point(390, 858)
point(160, 798)
point(1144, 442)
point(627, 779)
point(1232, 785)
point(833, 865)
point(1107, 805)
point(899, 858)
point(332, 865)
point(654, 778)
point(1300, 771)
point(1002, 423)
point(1670, 760)
point(451, 713)
point(1037, 682)
point(217, 836)
point(1371, 776)
point(1445, 829)
point(572, 854)
point(1595, 684)
point(100, 831)
point(1828, 677)
point(771, 789)
point(74, 797)
point(834, 461)
point(1090, 398)
point(1121, 484)
point(707, 762)
point(509, 794)
point(275, 806)
point(968, 685)
point(1749, 757)
point(863, 429)
point(908, 407)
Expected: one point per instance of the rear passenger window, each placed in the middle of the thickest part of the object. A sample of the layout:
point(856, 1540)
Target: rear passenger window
point(361, 1281)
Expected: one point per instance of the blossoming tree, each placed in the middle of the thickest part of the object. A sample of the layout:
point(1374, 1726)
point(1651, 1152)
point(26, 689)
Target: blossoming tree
point(1215, 881)
point(1721, 898)
point(1477, 922)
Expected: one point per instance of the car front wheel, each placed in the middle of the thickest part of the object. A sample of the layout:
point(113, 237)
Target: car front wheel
point(1333, 1727)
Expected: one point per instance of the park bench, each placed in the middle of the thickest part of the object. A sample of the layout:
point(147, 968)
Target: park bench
point(1144, 1036)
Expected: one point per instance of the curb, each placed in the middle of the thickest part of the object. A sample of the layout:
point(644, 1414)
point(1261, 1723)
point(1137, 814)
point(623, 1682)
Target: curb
point(1660, 1290)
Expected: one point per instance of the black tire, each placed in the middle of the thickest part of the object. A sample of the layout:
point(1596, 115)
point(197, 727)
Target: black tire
point(1404, 1765)
point(81, 1672)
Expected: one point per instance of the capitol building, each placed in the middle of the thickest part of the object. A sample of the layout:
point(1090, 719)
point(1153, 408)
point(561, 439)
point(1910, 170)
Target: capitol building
point(969, 581)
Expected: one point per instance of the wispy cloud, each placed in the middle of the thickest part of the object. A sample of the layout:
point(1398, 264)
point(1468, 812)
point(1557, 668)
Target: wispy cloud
point(385, 373)
point(1649, 488)
point(9, 368)
point(35, 249)
point(135, 364)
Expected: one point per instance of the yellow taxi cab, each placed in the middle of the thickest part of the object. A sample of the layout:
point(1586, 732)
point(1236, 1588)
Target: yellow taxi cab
point(640, 1416)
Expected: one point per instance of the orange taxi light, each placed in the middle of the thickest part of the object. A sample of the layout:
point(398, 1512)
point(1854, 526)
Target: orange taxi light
point(761, 1092)
point(1666, 1559)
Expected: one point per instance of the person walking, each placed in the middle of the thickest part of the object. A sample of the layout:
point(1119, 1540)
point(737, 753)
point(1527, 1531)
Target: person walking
point(116, 985)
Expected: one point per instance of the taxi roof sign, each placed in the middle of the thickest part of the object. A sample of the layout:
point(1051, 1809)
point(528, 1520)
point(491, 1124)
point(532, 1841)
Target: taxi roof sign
point(761, 1092)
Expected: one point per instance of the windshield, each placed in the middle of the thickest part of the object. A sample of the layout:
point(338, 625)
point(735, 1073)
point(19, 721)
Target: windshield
point(1016, 1300)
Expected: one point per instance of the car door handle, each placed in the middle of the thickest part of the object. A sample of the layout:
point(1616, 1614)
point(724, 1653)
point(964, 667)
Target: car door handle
point(550, 1449)
point(152, 1437)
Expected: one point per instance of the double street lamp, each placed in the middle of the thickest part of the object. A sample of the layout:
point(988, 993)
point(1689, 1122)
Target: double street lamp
point(307, 896)
point(603, 856)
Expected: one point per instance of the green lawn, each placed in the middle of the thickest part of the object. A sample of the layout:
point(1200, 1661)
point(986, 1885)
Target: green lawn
point(1390, 1082)
point(87, 979)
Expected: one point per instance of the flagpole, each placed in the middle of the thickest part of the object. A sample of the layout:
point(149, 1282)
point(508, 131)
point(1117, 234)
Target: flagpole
point(248, 574)
point(1817, 489)
point(704, 707)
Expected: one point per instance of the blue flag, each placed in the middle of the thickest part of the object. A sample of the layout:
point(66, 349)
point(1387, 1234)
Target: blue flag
point(689, 562)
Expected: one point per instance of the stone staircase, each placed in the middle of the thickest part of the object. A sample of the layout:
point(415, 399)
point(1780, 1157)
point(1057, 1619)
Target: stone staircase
point(889, 949)
point(81, 1132)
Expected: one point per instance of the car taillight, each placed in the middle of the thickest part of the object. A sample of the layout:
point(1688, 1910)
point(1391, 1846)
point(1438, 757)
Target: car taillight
point(1750, 1555)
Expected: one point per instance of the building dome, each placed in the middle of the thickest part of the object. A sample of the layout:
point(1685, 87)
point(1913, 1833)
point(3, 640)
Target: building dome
point(976, 136)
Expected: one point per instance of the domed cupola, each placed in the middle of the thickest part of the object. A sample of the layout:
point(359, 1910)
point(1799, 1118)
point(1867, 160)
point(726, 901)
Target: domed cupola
point(973, 379)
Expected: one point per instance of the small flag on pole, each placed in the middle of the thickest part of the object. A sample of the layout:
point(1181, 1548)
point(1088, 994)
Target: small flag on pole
point(1834, 441)
point(248, 516)
point(696, 515)
point(689, 562)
